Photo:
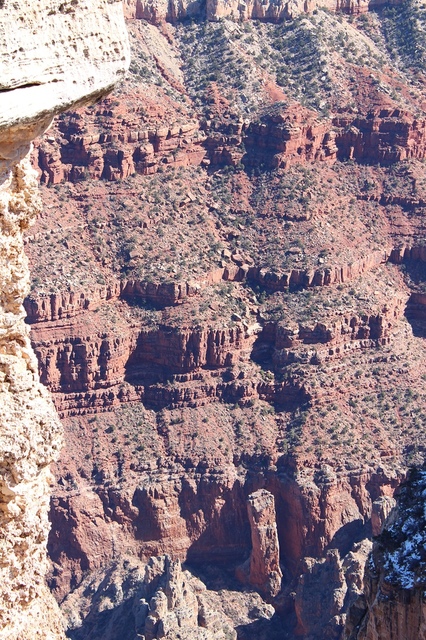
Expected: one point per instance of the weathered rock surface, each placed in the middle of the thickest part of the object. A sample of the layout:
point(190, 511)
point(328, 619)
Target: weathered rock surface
point(30, 433)
point(37, 82)
point(85, 363)
point(326, 588)
point(291, 135)
point(380, 510)
point(82, 154)
point(387, 136)
point(201, 515)
point(160, 10)
point(263, 570)
point(174, 610)
point(39, 78)
point(392, 605)
point(157, 599)
point(221, 304)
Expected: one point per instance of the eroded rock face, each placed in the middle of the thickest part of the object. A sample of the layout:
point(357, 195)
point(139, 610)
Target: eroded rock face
point(380, 510)
point(159, 599)
point(392, 605)
point(55, 55)
point(253, 9)
point(177, 480)
point(30, 433)
point(326, 588)
point(293, 135)
point(197, 515)
point(40, 76)
point(263, 568)
point(175, 611)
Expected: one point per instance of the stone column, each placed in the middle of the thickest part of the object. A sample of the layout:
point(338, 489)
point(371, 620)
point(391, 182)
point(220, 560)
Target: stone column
point(262, 570)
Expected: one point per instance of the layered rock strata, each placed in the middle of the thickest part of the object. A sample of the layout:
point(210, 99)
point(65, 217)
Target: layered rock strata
point(137, 150)
point(40, 76)
point(292, 135)
point(86, 364)
point(386, 136)
point(68, 304)
point(204, 515)
point(286, 396)
point(156, 12)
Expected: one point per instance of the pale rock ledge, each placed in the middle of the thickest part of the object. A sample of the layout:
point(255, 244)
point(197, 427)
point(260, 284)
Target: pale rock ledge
point(53, 55)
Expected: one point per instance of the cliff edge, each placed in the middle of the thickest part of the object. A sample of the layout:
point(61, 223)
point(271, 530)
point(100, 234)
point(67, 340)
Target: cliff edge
point(53, 55)
point(393, 604)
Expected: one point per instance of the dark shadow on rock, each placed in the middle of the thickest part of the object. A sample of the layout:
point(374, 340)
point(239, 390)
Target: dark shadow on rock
point(226, 537)
point(415, 311)
point(418, 324)
point(217, 577)
point(117, 623)
point(263, 629)
point(349, 534)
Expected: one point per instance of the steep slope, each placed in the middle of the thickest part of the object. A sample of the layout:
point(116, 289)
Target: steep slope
point(30, 433)
point(393, 602)
point(38, 80)
point(228, 297)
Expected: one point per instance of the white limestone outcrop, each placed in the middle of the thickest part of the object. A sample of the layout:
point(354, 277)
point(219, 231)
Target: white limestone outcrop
point(53, 55)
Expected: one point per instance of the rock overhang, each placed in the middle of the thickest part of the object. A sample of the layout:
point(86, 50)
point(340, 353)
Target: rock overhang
point(55, 55)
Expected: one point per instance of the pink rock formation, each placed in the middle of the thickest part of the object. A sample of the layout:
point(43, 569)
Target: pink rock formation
point(265, 571)
point(262, 570)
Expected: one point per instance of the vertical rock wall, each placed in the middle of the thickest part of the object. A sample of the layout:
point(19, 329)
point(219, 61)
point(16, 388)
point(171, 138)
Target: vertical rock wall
point(393, 605)
point(272, 11)
point(46, 48)
point(30, 432)
point(262, 570)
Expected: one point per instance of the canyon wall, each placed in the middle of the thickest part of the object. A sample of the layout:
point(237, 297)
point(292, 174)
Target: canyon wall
point(292, 135)
point(160, 10)
point(45, 51)
point(213, 335)
point(393, 605)
point(30, 434)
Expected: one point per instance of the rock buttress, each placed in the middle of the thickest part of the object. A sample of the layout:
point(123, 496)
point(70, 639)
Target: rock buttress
point(30, 432)
point(52, 55)
point(393, 604)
